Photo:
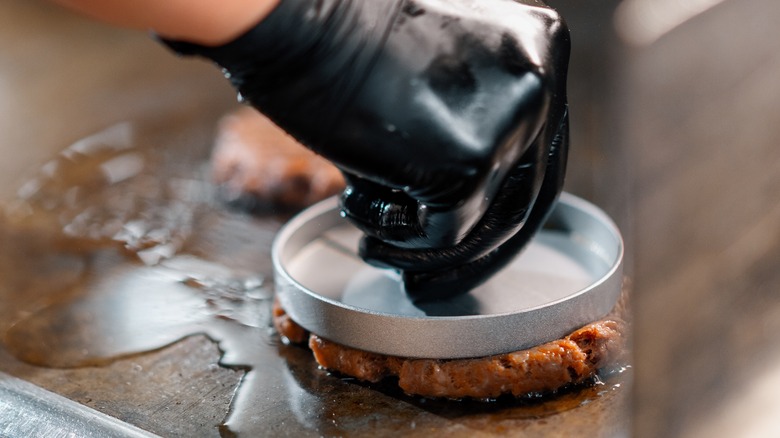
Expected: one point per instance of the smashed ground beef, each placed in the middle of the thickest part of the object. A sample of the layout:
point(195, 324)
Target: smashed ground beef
point(544, 368)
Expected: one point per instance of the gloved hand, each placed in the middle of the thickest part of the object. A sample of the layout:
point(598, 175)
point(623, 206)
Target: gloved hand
point(447, 117)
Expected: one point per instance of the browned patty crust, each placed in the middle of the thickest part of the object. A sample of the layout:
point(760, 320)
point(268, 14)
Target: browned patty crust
point(544, 368)
point(253, 157)
point(286, 327)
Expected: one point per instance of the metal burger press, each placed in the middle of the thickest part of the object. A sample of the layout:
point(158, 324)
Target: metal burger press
point(569, 275)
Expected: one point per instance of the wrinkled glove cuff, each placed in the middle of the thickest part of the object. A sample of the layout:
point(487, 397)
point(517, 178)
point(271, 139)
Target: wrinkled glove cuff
point(302, 64)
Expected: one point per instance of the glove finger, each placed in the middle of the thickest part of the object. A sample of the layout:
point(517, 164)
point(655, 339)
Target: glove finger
point(502, 219)
point(381, 212)
point(448, 282)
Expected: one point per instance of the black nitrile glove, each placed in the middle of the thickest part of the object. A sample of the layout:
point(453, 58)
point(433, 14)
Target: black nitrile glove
point(448, 118)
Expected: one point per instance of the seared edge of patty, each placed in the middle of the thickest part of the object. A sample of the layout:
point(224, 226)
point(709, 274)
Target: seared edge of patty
point(544, 368)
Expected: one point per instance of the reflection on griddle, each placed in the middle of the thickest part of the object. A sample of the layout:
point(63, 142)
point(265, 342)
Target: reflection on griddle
point(117, 248)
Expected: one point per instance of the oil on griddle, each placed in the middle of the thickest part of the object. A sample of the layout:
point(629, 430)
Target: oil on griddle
point(123, 273)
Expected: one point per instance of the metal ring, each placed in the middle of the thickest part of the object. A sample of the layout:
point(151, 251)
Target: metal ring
point(569, 275)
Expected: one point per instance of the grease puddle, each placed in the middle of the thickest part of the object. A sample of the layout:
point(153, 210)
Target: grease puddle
point(111, 250)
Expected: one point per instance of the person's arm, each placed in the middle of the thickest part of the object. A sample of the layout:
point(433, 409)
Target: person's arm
point(200, 21)
point(447, 117)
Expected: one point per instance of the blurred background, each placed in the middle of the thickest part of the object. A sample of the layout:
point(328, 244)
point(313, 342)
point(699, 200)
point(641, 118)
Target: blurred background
point(675, 108)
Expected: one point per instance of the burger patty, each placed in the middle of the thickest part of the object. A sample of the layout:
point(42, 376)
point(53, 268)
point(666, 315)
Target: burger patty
point(253, 158)
point(544, 368)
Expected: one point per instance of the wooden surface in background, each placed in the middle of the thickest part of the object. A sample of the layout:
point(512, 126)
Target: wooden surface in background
point(699, 111)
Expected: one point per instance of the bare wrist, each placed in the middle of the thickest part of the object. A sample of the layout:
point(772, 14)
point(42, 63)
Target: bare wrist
point(201, 21)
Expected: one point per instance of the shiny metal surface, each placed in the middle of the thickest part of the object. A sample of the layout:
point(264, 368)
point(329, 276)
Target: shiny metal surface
point(27, 410)
point(569, 275)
